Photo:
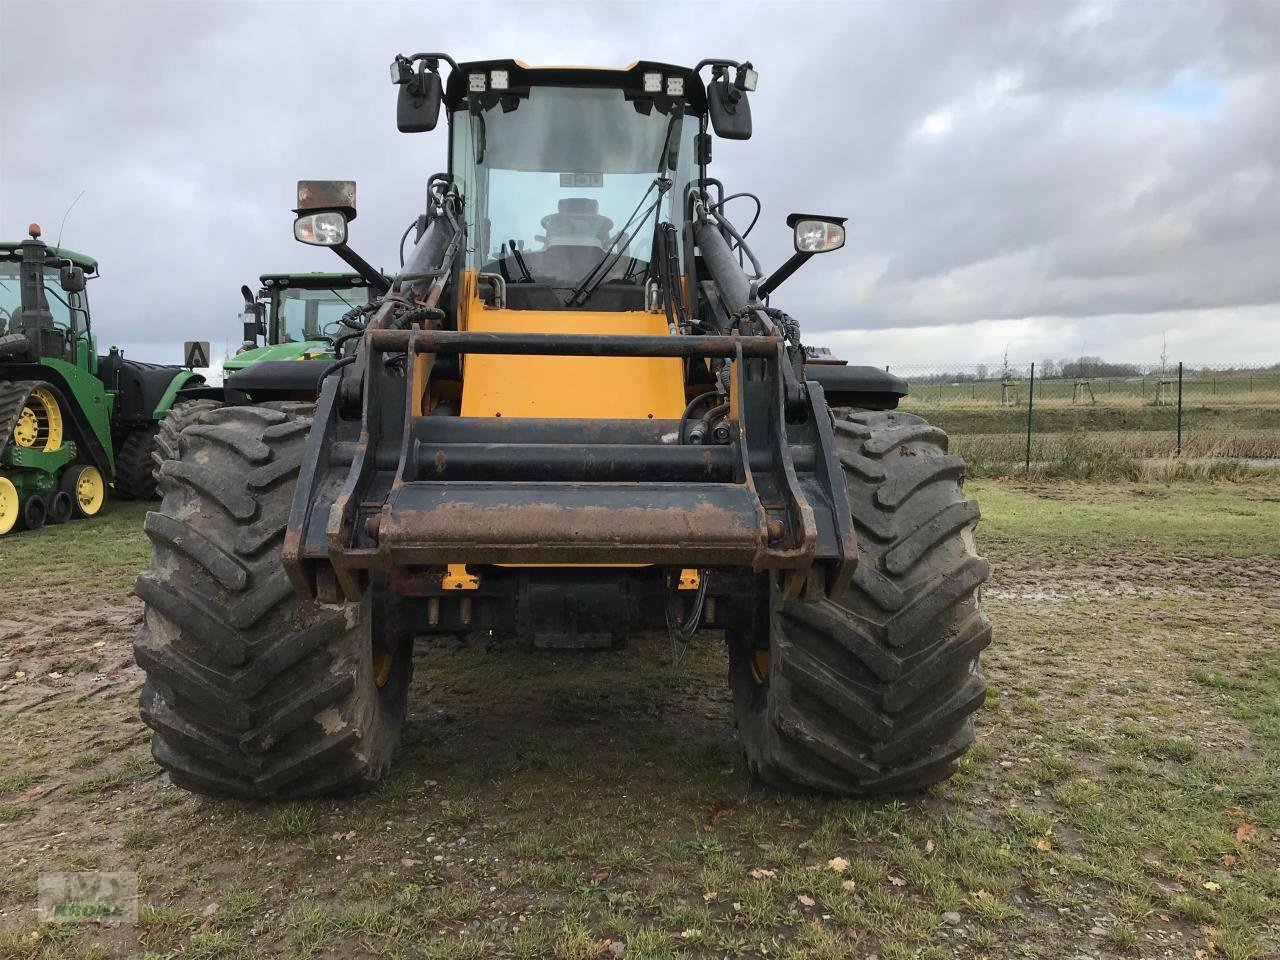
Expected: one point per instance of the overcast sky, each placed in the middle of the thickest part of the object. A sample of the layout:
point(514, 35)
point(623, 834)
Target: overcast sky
point(1045, 176)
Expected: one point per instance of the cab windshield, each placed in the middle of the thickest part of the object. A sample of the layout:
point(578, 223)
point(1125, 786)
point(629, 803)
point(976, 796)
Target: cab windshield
point(314, 314)
point(66, 309)
point(559, 179)
point(10, 294)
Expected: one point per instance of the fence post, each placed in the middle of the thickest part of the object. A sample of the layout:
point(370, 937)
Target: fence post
point(1031, 401)
point(1179, 408)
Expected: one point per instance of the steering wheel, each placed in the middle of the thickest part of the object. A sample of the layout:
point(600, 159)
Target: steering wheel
point(332, 329)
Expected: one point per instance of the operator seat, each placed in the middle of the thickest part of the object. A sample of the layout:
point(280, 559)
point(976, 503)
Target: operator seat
point(577, 222)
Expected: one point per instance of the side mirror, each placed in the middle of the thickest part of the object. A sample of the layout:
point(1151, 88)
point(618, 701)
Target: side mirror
point(812, 233)
point(324, 209)
point(71, 278)
point(727, 102)
point(421, 93)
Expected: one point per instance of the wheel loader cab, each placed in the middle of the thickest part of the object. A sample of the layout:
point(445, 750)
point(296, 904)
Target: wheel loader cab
point(565, 177)
point(564, 181)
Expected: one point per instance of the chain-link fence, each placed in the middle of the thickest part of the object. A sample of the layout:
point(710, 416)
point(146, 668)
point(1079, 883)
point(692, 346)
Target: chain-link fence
point(1080, 417)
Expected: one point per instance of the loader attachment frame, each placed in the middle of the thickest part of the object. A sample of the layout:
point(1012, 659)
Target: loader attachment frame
point(397, 490)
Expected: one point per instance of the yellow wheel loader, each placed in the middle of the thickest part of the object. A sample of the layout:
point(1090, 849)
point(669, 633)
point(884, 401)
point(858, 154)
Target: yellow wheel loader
point(579, 411)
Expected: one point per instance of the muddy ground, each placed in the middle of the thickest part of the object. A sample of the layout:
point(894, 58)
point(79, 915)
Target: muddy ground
point(1123, 799)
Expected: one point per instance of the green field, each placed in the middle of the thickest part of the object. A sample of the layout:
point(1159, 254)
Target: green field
point(1122, 800)
point(1233, 416)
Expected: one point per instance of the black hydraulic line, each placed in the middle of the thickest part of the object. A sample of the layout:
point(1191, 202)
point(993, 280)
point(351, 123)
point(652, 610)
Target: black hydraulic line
point(688, 410)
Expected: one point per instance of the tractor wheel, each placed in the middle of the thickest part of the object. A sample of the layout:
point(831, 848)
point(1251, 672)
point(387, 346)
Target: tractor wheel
point(14, 345)
point(34, 511)
point(135, 470)
point(88, 490)
point(9, 506)
point(180, 415)
point(875, 692)
point(61, 507)
point(252, 691)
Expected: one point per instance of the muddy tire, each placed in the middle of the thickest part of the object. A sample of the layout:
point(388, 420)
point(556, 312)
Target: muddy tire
point(14, 345)
point(252, 691)
point(180, 416)
point(135, 471)
point(875, 693)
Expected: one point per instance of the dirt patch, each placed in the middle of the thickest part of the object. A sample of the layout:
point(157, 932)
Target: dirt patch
point(1130, 575)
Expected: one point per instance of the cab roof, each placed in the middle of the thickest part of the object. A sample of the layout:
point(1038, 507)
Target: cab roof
point(13, 248)
point(317, 280)
point(521, 76)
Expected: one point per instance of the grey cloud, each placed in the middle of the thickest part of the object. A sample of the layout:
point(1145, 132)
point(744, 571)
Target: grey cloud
point(1060, 187)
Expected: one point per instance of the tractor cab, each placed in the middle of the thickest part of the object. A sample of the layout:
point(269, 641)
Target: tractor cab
point(42, 299)
point(297, 316)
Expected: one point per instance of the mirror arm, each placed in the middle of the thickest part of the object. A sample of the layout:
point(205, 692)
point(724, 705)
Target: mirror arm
point(363, 267)
point(776, 278)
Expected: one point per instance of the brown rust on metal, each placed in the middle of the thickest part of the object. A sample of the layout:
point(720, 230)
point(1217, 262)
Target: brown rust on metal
point(553, 533)
point(327, 195)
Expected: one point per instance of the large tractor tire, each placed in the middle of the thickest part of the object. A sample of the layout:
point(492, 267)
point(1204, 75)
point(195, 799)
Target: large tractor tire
point(875, 692)
point(164, 445)
point(252, 691)
point(14, 345)
point(135, 470)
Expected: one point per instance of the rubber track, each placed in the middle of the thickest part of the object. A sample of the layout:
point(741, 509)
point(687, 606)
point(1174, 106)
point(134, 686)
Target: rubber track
point(13, 397)
point(250, 691)
point(875, 692)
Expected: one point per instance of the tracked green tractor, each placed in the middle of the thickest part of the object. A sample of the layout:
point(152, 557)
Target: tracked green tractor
point(72, 423)
point(572, 416)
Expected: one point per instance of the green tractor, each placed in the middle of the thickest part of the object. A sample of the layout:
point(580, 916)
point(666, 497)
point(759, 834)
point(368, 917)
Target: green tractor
point(71, 422)
point(298, 317)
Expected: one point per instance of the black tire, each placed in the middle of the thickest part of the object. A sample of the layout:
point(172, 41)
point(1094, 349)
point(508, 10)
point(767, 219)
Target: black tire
point(252, 691)
point(33, 512)
point(61, 507)
point(180, 416)
point(135, 470)
point(70, 481)
point(875, 693)
point(14, 345)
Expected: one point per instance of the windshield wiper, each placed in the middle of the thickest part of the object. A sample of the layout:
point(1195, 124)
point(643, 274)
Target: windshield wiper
point(583, 291)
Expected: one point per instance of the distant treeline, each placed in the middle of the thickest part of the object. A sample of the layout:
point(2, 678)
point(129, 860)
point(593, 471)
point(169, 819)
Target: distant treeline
point(1080, 368)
